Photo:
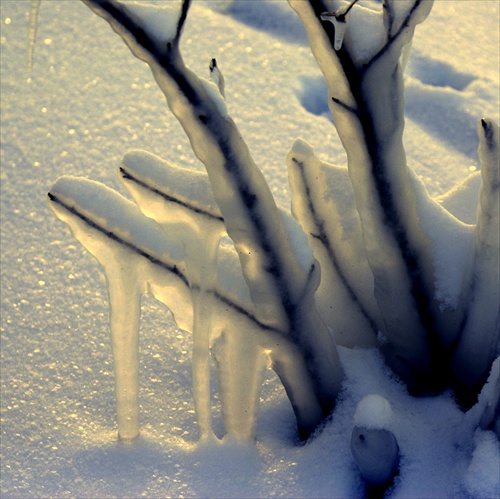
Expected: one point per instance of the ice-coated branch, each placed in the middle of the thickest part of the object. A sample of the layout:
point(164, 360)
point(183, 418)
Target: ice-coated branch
point(217, 77)
point(138, 257)
point(322, 203)
point(479, 339)
point(120, 244)
point(151, 179)
point(181, 202)
point(281, 284)
point(366, 99)
point(260, 239)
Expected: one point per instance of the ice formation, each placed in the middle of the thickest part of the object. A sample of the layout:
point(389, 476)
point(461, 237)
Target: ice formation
point(339, 21)
point(340, 27)
point(197, 223)
point(211, 300)
point(479, 331)
point(396, 215)
point(130, 250)
point(281, 282)
point(35, 6)
point(371, 242)
point(376, 453)
point(373, 444)
point(322, 202)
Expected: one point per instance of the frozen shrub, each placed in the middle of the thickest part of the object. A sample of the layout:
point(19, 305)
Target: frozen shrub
point(369, 239)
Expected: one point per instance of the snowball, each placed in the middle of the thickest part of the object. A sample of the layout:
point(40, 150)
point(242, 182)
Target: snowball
point(373, 412)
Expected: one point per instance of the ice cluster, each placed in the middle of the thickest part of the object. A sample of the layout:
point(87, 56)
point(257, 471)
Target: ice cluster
point(362, 262)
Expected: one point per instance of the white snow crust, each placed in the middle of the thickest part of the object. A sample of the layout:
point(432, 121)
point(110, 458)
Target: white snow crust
point(88, 102)
point(373, 412)
point(160, 18)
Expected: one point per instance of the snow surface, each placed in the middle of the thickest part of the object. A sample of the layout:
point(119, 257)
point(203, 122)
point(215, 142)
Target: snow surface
point(88, 102)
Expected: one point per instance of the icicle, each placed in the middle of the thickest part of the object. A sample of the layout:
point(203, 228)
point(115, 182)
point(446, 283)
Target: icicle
point(35, 5)
point(240, 367)
point(125, 288)
point(339, 21)
point(340, 26)
point(150, 179)
point(201, 259)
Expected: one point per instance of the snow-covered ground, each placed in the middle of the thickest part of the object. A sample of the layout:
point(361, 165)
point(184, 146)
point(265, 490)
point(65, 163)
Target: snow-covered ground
point(89, 101)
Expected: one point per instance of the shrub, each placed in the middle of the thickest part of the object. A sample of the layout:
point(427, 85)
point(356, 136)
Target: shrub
point(381, 253)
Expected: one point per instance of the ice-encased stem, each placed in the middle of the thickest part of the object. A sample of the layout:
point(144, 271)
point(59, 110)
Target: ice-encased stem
point(367, 102)
point(137, 257)
point(480, 332)
point(344, 268)
point(125, 286)
point(281, 287)
point(179, 199)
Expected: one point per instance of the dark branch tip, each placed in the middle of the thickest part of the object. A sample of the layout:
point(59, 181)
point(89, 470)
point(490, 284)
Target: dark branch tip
point(124, 173)
point(488, 131)
point(182, 19)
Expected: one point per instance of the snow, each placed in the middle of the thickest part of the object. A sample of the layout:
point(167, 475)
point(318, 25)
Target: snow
point(373, 412)
point(480, 474)
point(88, 102)
point(161, 20)
point(213, 88)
